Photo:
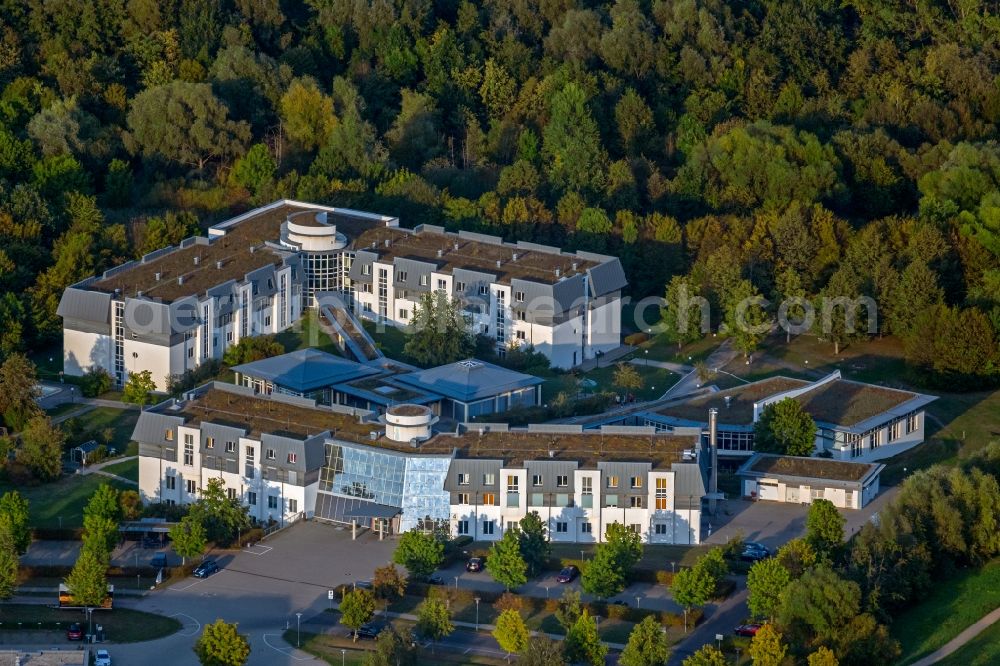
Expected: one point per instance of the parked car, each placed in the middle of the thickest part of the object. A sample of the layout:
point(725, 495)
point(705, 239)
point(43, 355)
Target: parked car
point(206, 569)
point(371, 630)
point(474, 565)
point(159, 560)
point(567, 574)
point(619, 602)
point(435, 579)
point(754, 552)
point(102, 658)
point(363, 584)
point(749, 630)
point(74, 632)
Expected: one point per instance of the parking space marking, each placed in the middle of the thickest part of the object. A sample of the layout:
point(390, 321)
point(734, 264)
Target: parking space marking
point(287, 651)
point(258, 549)
point(193, 633)
point(174, 588)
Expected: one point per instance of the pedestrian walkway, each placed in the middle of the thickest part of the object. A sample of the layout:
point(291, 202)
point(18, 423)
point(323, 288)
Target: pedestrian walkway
point(99, 469)
point(954, 644)
point(679, 368)
point(690, 382)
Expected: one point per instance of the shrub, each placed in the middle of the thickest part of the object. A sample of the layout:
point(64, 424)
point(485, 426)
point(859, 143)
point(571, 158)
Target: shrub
point(509, 601)
point(617, 612)
point(551, 605)
point(664, 577)
point(635, 339)
point(95, 382)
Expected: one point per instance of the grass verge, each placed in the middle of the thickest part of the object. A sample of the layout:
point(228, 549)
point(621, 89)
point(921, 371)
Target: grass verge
point(121, 625)
point(61, 502)
point(952, 606)
point(128, 469)
point(983, 650)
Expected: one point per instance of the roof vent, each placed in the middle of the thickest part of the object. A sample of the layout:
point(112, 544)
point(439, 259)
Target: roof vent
point(157, 275)
point(253, 248)
point(575, 265)
point(552, 453)
point(513, 257)
point(558, 272)
point(138, 294)
point(218, 264)
point(414, 443)
point(180, 279)
point(197, 260)
point(498, 263)
point(388, 242)
point(456, 245)
point(373, 435)
point(729, 400)
point(440, 253)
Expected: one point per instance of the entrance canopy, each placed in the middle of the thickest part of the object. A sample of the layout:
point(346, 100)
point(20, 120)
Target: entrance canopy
point(372, 510)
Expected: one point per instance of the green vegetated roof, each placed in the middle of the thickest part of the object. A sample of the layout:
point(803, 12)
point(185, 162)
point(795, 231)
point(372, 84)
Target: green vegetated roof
point(741, 401)
point(817, 468)
point(845, 403)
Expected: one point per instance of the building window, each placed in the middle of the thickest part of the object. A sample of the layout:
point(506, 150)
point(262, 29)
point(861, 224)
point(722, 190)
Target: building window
point(168, 435)
point(404, 314)
point(250, 452)
point(635, 528)
point(252, 498)
point(611, 501)
point(912, 423)
point(561, 527)
point(190, 486)
point(562, 480)
point(231, 493)
point(612, 482)
point(586, 528)
point(460, 287)
point(489, 479)
point(424, 280)
point(512, 484)
point(519, 297)
point(484, 290)
point(816, 493)
point(442, 285)
point(272, 502)
point(209, 442)
point(171, 483)
point(463, 498)
point(587, 492)
point(536, 480)
point(190, 352)
point(401, 276)
point(857, 444)
point(189, 453)
point(490, 499)
point(293, 506)
point(635, 501)
point(563, 499)
point(366, 269)
point(401, 293)
point(537, 499)
point(488, 527)
point(659, 529)
point(293, 458)
point(463, 527)
point(521, 335)
point(661, 494)
point(511, 525)
point(520, 315)
point(230, 447)
point(270, 454)
point(877, 437)
point(267, 320)
point(637, 482)
point(463, 479)
point(896, 430)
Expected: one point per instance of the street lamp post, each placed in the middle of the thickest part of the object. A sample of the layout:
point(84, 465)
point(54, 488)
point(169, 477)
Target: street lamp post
point(637, 601)
point(343, 656)
point(477, 613)
point(737, 656)
point(456, 582)
point(298, 630)
point(685, 620)
point(581, 554)
point(718, 640)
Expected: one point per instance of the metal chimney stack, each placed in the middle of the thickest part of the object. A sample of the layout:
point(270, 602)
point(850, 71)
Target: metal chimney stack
point(713, 443)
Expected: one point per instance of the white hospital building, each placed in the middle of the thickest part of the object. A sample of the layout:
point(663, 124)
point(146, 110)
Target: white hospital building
point(257, 273)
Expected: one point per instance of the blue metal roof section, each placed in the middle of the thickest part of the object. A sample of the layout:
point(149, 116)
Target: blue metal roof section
point(468, 380)
point(306, 370)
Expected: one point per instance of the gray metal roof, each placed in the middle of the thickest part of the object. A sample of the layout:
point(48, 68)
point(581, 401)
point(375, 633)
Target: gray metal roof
point(468, 380)
point(152, 427)
point(689, 485)
point(607, 277)
point(306, 370)
point(85, 305)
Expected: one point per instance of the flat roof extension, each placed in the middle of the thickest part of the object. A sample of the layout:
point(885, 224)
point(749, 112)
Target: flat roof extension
point(741, 401)
point(846, 403)
point(765, 464)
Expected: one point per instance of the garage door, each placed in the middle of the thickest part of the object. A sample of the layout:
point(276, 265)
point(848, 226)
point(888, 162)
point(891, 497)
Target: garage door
point(768, 491)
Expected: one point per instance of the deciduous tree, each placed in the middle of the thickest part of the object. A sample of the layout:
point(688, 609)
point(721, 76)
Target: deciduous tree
point(706, 655)
point(534, 545)
point(583, 644)
point(221, 644)
point(14, 520)
point(434, 620)
point(188, 538)
point(438, 332)
point(766, 648)
point(824, 527)
point(357, 608)
point(139, 388)
point(542, 651)
point(419, 553)
point(784, 427)
point(41, 448)
point(647, 645)
point(87, 582)
point(511, 633)
point(505, 562)
point(766, 581)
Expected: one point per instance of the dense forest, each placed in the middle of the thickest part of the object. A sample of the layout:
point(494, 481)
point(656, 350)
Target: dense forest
point(736, 148)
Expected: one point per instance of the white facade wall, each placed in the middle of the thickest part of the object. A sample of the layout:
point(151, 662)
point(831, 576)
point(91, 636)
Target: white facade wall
point(799, 493)
point(679, 527)
point(888, 448)
point(83, 351)
point(604, 327)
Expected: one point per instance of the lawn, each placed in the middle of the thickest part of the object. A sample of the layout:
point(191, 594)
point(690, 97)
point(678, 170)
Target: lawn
point(128, 469)
point(338, 649)
point(121, 625)
point(61, 503)
point(305, 333)
point(389, 339)
point(121, 421)
point(983, 650)
point(953, 605)
point(653, 557)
